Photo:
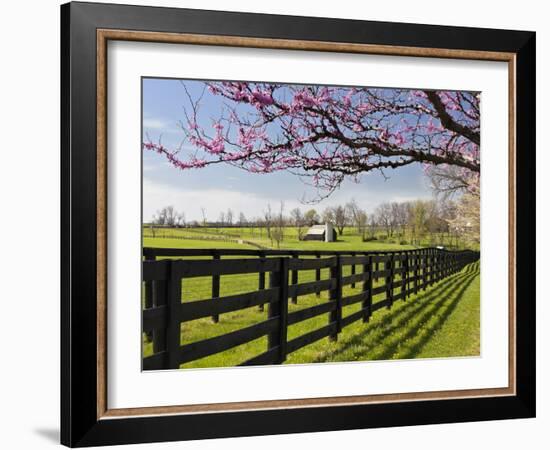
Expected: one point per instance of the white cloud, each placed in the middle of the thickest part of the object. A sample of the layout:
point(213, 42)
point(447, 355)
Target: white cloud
point(155, 124)
point(149, 167)
point(160, 126)
point(156, 196)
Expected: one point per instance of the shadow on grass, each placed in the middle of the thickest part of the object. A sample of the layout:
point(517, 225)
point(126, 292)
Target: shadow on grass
point(439, 301)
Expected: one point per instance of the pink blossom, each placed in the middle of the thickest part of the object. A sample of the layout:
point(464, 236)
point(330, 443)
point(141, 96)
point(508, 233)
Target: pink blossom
point(263, 98)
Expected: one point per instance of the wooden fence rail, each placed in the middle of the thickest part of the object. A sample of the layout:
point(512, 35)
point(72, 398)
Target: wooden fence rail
point(404, 273)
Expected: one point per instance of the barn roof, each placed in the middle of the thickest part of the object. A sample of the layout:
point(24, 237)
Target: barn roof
point(316, 229)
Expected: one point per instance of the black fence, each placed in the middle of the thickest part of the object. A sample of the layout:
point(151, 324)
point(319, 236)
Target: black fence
point(403, 273)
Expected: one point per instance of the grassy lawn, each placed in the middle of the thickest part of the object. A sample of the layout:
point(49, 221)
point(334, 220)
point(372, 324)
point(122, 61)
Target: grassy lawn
point(441, 321)
point(188, 243)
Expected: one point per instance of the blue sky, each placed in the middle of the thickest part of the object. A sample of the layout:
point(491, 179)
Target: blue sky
point(219, 187)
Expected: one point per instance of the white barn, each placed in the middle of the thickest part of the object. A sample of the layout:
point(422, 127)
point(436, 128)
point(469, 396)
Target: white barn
point(324, 232)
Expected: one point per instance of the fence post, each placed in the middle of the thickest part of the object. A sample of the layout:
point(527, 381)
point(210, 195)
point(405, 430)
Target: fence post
point(215, 286)
point(159, 294)
point(261, 280)
point(279, 308)
point(149, 288)
point(404, 275)
point(428, 268)
point(353, 271)
point(173, 330)
point(149, 298)
point(336, 296)
point(424, 269)
point(454, 263)
point(436, 265)
point(294, 280)
point(318, 277)
point(432, 266)
point(416, 272)
point(389, 281)
point(367, 289)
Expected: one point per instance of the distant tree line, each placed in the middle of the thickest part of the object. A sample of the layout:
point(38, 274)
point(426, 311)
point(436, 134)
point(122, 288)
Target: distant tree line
point(442, 219)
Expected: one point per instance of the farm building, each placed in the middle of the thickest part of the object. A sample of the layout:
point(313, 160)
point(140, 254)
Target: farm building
point(324, 232)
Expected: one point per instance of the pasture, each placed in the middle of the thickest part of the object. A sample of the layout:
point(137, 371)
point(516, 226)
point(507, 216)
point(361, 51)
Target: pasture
point(257, 238)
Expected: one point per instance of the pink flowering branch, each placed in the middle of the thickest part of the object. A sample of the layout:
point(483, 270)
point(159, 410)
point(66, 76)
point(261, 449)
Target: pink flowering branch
point(330, 133)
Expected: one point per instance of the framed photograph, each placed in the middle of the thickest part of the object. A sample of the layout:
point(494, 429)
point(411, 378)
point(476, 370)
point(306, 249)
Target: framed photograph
point(277, 224)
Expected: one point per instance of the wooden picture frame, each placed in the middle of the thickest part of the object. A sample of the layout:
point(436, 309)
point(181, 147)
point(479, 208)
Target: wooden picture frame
point(86, 418)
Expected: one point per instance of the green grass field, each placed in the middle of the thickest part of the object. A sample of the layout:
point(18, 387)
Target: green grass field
point(439, 322)
point(443, 321)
